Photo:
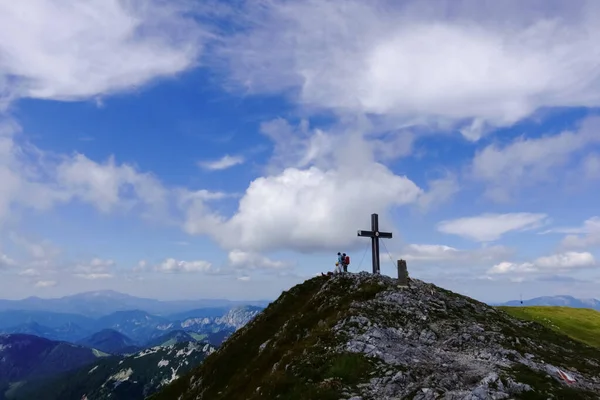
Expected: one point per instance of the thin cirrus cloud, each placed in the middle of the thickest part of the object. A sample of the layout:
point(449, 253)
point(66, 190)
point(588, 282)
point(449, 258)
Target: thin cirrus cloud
point(585, 236)
point(529, 161)
point(489, 227)
point(45, 284)
point(95, 269)
point(224, 162)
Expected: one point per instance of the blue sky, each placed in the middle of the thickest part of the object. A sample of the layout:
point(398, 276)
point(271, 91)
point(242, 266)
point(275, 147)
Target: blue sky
point(227, 150)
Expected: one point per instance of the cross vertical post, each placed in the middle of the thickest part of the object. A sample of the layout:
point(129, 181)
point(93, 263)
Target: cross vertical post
point(375, 235)
point(375, 243)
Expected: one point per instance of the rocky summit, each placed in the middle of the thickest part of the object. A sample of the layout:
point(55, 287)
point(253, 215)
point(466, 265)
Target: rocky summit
point(361, 336)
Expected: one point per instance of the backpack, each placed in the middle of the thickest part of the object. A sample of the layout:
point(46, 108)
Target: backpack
point(347, 260)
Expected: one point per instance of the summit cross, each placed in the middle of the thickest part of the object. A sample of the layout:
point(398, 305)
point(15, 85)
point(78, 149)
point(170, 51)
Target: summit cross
point(375, 235)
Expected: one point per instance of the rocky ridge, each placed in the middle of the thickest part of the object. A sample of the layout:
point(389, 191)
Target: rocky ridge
point(360, 336)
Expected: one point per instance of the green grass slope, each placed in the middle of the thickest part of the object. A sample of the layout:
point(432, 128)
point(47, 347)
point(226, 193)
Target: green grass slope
point(581, 324)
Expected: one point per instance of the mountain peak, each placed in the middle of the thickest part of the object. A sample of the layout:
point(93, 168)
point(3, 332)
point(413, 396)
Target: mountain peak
point(363, 336)
point(109, 341)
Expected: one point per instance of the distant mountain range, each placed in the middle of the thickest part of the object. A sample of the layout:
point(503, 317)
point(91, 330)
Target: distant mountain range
point(35, 368)
point(106, 344)
point(99, 303)
point(564, 301)
point(139, 326)
point(27, 357)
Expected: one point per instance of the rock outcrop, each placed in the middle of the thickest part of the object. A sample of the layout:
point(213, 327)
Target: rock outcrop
point(360, 336)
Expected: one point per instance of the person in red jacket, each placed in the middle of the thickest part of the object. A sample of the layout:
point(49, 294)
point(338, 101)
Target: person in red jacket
point(345, 262)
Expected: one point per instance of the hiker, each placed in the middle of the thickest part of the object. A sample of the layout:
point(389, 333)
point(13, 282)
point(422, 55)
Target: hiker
point(338, 268)
point(345, 262)
point(339, 263)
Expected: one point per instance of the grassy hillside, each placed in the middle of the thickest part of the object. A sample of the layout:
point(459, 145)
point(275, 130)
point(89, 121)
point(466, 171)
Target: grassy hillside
point(581, 324)
point(362, 335)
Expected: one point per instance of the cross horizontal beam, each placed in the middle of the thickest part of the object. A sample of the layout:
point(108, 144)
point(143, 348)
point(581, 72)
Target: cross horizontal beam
point(371, 234)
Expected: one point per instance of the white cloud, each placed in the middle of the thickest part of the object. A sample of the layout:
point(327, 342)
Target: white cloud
point(319, 189)
point(440, 190)
point(104, 185)
point(96, 269)
point(566, 260)
point(141, 266)
point(562, 262)
point(490, 227)
point(585, 236)
point(590, 226)
point(305, 210)
point(433, 253)
point(6, 261)
point(245, 261)
point(42, 250)
point(44, 284)
point(224, 162)
point(472, 63)
point(34, 179)
point(63, 50)
point(527, 161)
point(591, 166)
point(171, 265)
point(21, 168)
point(29, 272)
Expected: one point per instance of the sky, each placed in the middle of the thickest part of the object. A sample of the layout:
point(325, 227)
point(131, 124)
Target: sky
point(192, 149)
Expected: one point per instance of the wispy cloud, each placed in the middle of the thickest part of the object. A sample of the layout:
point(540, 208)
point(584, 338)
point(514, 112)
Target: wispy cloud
point(561, 262)
point(490, 227)
point(225, 162)
point(44, 284)
point(95, 269)
point(172, 265)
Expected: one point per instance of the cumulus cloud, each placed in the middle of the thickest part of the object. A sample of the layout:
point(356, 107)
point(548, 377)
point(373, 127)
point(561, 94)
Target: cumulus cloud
point(171, 265)
point(528, 161)
point(562, 262)
point(319, 188)
point(68, 51)
point(463, 64)
point(97, 268)
point(224, 162)
point(305, 209)
point(490, 227)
